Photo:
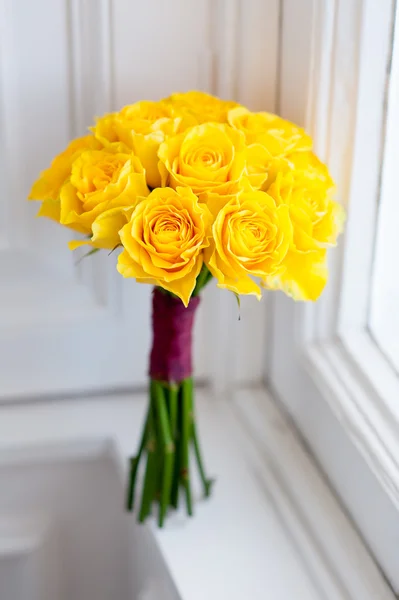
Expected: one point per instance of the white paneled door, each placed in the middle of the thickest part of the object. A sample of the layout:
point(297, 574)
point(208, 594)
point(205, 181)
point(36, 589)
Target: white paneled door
point(67, 326)
point(64, 326)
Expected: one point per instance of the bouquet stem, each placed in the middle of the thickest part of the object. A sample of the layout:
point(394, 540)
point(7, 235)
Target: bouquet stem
point(168, 437)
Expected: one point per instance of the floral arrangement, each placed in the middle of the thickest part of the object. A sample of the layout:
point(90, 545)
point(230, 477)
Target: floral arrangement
point(193, 188)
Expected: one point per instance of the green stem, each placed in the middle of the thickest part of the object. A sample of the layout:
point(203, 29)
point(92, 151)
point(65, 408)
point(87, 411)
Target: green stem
point(167, 447)
point(187, 387)
point(173, 392)
point(166, 438)
point(150, 479)
point(177, 436)
point(207, 483)
point(134, 466)
point(208, 278)
point(204, 276)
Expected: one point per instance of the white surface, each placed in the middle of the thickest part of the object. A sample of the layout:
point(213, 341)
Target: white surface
point(29, 561)
point(247, 541)
point(323, 367)
point(234, 546)
point(331, 550)
point(366, 401)
point(63, 532)
point(49, 307)
point(80, 499)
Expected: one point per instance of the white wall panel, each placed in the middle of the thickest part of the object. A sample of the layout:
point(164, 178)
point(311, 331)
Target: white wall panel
point(75, 327)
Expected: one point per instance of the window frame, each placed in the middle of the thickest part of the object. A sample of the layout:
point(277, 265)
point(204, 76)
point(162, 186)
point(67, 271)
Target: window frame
point(341, 390)
point(384, 264)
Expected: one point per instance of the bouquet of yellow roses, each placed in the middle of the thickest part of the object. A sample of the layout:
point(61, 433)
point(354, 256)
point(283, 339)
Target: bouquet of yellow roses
point(193, 188)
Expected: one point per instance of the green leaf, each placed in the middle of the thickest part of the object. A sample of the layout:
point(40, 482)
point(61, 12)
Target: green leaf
point(204, 276)
point(114, 248)
point(89, 253)
point(239, 304)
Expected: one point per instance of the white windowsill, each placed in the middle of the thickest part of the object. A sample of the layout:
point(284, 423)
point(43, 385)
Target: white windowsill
point(272, 528)
point(363, 389)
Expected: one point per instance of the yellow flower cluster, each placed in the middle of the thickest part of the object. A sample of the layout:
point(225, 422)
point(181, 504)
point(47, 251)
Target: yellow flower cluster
point(191, 182)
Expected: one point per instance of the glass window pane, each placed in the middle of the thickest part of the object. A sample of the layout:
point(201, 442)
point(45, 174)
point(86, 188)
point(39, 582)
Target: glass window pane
point(384, 305)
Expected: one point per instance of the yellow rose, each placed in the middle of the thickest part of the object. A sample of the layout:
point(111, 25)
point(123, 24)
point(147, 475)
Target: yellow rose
point(47, 188)
point(278, 136)
point(303, 164)
point(145, 114)
point(211, 159)
point(258, 164)
point(317, 221)
point(105, 229)
point(164, 240)
point(142, 126)
point(305, 188)
point(251, 237)
point(306, 165)
point(100, 180)
point(200, 106)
